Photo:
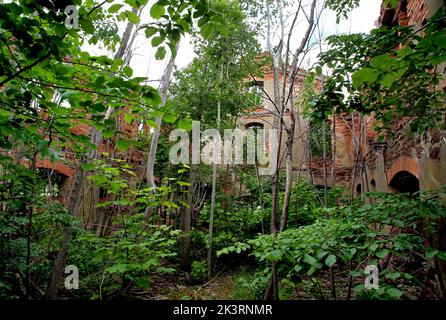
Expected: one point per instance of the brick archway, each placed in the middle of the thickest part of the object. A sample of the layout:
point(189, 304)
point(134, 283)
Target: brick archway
point(403, 163)
point(61, 169)
point(56, 166)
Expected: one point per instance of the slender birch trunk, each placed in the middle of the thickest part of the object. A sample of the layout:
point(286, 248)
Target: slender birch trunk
point(164, 86)
point(324, 152)
point(213, 195)
point(187, 220)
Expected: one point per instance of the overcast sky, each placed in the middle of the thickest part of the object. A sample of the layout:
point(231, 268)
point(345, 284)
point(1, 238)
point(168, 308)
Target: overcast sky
point(362, 19)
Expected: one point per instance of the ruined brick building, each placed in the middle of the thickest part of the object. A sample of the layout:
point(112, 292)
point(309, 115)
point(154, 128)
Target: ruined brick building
point(399, 164)
point(60, 173)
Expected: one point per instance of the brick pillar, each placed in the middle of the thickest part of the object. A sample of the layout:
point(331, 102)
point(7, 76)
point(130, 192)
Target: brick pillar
point(381, 177)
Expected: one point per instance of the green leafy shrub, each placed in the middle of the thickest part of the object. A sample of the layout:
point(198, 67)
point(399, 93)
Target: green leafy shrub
point(250, 285)
point(126, 259)
point(373, 234)
point(199, 270)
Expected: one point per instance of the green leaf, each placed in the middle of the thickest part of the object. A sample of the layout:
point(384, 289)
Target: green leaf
point(391, 3)
point(381, 254)
point(442, 256)
point(364, 75)
point(388, 80)
point(156, 41)
point(107, 133)
point(151, 262)
point(87, 25)
point(88, 166)
point(359, 287)
point(404, 52)
point(355, 273)
point(207, 31)
point(275, 255)
point(185, 124)
point(202, 21)
point(128, 118)
point(127, 71)
point(117, 268)
point(439, 39)
point(309, 259)
point(393, 292)
point(311, 271)
point(150, 31)
point(222, 29)
point(151, 95)
point(123, 144)
point(330, 260)
point(393, 275)
point(98, 107)
point(115, 8)
point(165, 270)
point(42, 146)
point(381, 62)
point(438, 60)
point(160, 53)
point(169, 118)
point(133, 18)
point(157, 11)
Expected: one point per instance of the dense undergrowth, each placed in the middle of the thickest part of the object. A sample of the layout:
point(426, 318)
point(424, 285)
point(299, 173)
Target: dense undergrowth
point(322, 254)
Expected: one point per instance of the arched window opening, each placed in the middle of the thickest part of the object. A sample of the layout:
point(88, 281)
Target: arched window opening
point(254, 125)
point(373, 185)
point(404, 182)
point(54, 181)
point(358, 190)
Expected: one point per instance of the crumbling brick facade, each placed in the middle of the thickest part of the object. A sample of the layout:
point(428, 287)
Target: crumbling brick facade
point(402, 157)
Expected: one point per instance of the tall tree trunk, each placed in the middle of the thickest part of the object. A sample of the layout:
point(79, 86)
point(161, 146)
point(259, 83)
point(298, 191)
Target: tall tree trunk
point(324, 151)
point(126, 37)
point(61, 258)
point(164, 86)
point(281, 100)
point(186, 220)
point(77, 184)
point(213, 195)
point(333, 149)
point(289, 178)
point(29, 236)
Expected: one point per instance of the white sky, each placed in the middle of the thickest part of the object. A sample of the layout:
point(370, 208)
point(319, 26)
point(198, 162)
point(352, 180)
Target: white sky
point(144, 64)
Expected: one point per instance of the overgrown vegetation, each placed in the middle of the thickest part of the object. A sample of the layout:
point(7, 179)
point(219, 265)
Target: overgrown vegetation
point(86, 179)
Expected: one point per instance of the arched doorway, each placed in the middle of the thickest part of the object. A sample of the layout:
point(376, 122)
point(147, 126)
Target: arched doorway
point(254, 125)
point(56, 183)
point(373, 185)
point(404, 182)
point(358, 190)
point(58, 177)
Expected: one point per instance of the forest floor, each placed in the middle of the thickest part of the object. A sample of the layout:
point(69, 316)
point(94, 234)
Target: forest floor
point(226, 285)
point(178, 287)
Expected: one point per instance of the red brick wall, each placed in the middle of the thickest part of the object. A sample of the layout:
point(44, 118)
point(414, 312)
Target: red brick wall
point(417, 11)
point(407, 12)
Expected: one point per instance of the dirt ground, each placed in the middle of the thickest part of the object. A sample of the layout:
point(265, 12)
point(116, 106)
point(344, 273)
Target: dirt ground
point(177, 287)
